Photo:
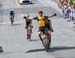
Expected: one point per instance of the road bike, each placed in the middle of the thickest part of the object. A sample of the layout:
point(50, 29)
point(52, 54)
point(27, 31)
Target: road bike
point(29, 32)
point(46, 39)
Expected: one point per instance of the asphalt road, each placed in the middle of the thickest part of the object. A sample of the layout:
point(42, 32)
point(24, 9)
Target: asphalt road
point(13, 38)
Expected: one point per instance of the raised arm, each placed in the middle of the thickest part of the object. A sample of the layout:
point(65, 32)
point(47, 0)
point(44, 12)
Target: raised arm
point(35, 18)
point(51, 15)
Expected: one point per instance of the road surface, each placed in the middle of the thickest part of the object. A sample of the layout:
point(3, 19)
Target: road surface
point(13, 38)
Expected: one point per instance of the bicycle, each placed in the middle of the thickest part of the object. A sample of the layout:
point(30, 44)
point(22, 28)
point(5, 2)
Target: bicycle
point(46, 39)
point(46, 36)
point(29, 32)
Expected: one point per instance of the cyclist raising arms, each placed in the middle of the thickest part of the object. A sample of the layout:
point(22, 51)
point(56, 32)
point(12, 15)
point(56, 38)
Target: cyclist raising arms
point(29, 26)
point(28, 20)
point(43, 23)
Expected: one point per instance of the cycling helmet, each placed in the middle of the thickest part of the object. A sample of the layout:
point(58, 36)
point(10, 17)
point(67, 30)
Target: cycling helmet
point(27, 15)
point(11, 11)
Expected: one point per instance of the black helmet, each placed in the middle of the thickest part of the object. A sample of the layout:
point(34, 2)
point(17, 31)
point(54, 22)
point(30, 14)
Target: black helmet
point(41, 12)
point(11, 11)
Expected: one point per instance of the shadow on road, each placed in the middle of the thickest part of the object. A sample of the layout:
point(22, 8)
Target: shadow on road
point(35, 39)
point(17, 24)
point(27, 3)
point(52, 49)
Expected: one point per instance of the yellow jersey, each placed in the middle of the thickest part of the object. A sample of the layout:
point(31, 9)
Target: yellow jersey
point(41, 21)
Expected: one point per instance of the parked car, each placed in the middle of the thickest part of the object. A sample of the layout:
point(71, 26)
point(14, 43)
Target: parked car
point(25, 1)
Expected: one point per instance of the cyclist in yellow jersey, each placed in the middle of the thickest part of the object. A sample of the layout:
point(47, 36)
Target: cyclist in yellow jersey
point(42, 23)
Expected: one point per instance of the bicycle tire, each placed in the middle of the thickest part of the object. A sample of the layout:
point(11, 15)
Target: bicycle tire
point(46, 43)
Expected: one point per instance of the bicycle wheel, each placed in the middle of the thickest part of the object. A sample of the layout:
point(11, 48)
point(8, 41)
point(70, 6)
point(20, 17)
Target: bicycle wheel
point(46, 43)
point(49, 38)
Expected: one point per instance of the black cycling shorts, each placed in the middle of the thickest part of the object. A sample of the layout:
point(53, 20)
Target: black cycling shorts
point(42, 29)
point(28, 23)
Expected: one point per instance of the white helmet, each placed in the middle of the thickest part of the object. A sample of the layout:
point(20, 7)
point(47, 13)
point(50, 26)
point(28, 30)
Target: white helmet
point(27, 15)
